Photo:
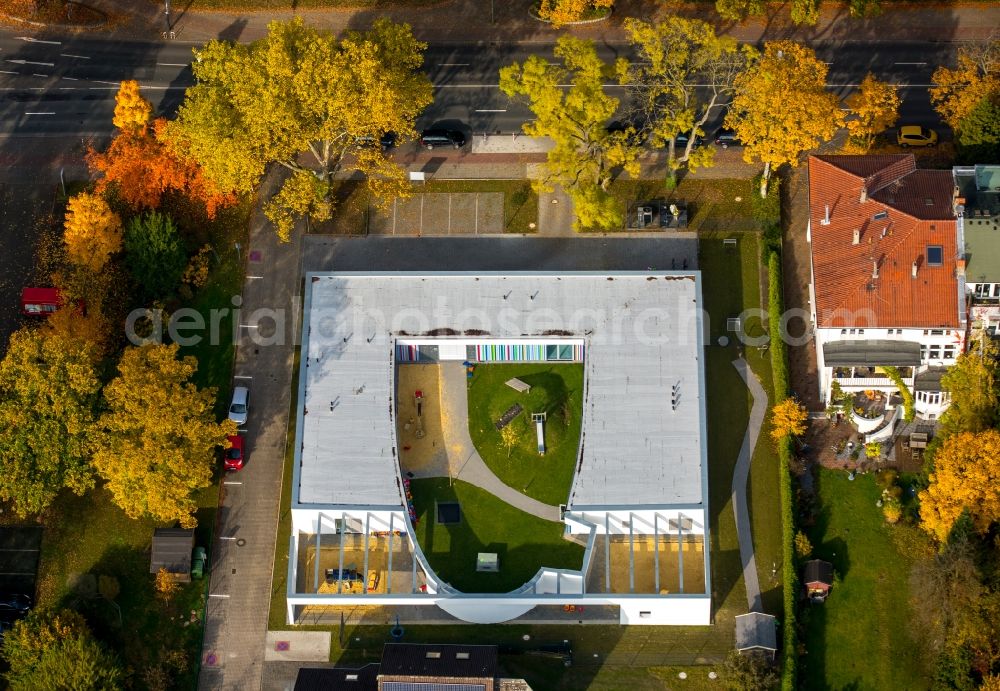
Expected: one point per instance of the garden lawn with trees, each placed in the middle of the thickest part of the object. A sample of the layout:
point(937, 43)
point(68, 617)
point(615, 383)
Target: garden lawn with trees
point(524, 543)
point(557, 391)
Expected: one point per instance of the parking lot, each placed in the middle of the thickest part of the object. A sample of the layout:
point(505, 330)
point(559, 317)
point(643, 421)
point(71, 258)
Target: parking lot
point(19, 551)
point(441, 213)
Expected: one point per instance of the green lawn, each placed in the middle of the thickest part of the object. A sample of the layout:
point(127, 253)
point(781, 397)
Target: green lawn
point(712, 204)
point(731, 284)
point(556, 390)
point(523, 542)
point(862, 636)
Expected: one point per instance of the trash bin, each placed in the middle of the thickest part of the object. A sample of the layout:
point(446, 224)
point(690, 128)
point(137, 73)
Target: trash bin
point(198, 562)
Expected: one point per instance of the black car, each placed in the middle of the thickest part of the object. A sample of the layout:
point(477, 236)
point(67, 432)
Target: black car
point(386, 141)
point(726, 137)
point(681, 140)
point(14, 604)
point(441, 137)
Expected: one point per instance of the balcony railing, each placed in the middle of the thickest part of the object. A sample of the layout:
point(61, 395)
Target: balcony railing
point(871, 382)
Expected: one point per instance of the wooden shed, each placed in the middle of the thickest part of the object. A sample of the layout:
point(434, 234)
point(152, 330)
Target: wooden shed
point(817, 575)
point(172, 549)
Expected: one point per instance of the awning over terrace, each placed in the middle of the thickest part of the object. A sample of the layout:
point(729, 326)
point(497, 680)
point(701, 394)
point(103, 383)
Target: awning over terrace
point(871, 353)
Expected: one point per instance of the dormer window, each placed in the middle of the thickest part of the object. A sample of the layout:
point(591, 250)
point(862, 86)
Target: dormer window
point(881, 215)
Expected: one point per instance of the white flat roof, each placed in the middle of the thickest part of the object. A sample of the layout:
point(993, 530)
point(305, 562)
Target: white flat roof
point(643, 428)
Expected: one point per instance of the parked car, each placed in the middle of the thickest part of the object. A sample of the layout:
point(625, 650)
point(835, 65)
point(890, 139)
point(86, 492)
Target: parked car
point(14, 604)
point(233, 458)
point(681, 140)
point(726, 137)
point(441, 137)
point(240, 406)
point(915, 135)
point(386, 141)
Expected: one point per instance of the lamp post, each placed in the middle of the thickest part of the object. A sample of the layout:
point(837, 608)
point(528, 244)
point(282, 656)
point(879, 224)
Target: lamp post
point(166, 15)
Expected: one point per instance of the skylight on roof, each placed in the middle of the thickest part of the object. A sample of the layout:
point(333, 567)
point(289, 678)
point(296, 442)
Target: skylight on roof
point(880, 215)
point(935, 255)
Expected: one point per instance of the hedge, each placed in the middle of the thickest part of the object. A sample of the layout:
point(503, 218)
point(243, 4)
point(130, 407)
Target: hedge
point(789, 579)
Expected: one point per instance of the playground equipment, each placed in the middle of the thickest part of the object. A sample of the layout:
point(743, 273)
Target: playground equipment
point(418, 401)
point(539, 420)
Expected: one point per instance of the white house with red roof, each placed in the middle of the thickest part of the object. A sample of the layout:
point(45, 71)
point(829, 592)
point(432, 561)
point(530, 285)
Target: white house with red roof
point(888, 283)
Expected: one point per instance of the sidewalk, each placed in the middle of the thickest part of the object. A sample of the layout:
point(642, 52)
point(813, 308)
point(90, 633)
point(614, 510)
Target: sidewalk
point(468, 21)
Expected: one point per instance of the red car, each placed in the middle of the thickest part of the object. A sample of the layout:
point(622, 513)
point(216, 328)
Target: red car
point(233, 457)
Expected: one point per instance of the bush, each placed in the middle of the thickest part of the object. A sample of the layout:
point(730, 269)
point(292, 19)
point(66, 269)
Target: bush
point(886, 478)
point(892, 509)
point(155, 254)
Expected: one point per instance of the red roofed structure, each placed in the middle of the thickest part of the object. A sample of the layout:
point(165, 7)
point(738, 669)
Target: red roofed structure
point(888, 286)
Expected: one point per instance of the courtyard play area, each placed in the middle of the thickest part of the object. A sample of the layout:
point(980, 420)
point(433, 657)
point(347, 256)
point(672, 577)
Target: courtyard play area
point(476, 489)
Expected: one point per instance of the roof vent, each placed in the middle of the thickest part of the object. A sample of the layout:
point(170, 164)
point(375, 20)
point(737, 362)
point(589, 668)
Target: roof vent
point(864, 195)
point(857, 237)
point(826, 216)
point(913, 271)
point(874, 269)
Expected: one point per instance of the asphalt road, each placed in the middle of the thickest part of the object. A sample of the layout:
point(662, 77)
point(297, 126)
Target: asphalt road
point(66, 85)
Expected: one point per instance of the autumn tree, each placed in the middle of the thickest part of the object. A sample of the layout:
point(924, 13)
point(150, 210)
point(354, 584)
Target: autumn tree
point(143, 166)
point(748, 673)
point(560, 12)
point(56, 650)
point(508, 438)
point(158, 437)
point(672, 57)
point(788, 418)
point(92, 231)
point(874, 108)
point(302, 90)
point(801, 11)
point(782, 108)
point(979, 138)
point(48, 396)
point(154, 252)
point(132, 110)
point(965, 478)
point(803, 547)
point(974, 385)
point(976, 78)
point(575, 118)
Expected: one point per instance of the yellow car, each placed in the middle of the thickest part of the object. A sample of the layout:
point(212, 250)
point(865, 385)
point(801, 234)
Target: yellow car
point(915, 135)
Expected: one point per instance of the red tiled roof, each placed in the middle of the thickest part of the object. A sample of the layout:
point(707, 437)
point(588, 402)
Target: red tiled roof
point(870, 284)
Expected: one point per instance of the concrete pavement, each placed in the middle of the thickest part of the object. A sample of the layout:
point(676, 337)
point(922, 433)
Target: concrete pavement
point(740, 476)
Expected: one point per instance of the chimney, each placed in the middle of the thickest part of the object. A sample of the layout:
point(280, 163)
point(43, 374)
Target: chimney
point(874, 269)
point(857, 237)
point(913, 271)
point(960, 267)
point(864, 195)
point(826, 216)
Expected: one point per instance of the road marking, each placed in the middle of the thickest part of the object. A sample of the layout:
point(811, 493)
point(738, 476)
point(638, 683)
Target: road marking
point(29, 39)
point(257, 277)
point(909, 63)
point(39, 113)
point(249, 326)
point(241, 376)
point(173, 64)
point(219, 595)
point(226, 537)
point(70, 55)
point(71, 79)
point(36, 74)
point(230, 483)
point(491, 110)
point(29, 62)
point(453, 64)
point(9, 72)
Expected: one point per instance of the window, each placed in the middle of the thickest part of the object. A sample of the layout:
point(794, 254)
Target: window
point(934, 352)
point(645, 615)
point(880, 215)
point(433, 655)
point(350, 677)
point(843, 332)
point(935, 255)
point(996, 290)
point(928, 201)
point(949, 352)
point(861, 332)
point(937, 332)
point(923, 352)
point(461, 656)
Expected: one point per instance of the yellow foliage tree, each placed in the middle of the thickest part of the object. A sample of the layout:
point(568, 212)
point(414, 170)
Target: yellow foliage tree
point(875, 108)
point(976, 78)
point(788, 418)
point(132, 110)
point(782, 107)
point(508, 438)
point(966, 477)
point(166, 584)
point(560, 12)
point(158, 437)
point(92, 231)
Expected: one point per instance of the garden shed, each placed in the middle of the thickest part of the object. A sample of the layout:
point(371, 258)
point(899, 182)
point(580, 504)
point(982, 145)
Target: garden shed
point(172, 549)
point(756, 632)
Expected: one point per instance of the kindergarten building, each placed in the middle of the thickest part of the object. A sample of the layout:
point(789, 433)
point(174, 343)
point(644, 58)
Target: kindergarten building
point(638, 502)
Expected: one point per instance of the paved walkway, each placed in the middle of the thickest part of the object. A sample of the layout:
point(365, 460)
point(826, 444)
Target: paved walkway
point(464, 461)
point(471, 21)
point(243, 551)
point(740, 476)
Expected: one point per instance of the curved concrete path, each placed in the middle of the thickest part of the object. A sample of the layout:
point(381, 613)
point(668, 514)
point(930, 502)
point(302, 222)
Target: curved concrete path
point(464, 462)
point(740, 476)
